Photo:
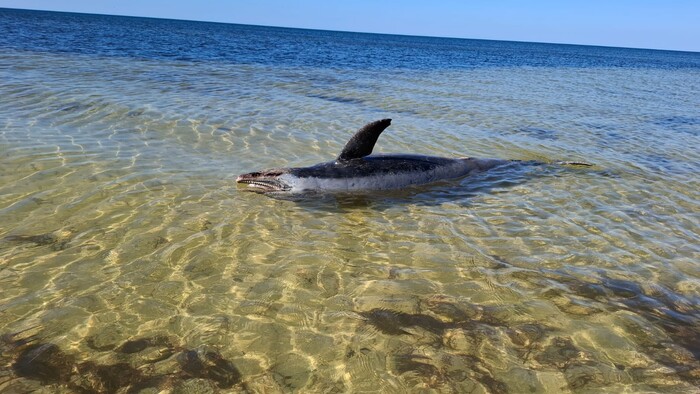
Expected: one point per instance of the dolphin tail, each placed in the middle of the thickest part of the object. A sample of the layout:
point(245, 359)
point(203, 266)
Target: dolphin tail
point(573, 163)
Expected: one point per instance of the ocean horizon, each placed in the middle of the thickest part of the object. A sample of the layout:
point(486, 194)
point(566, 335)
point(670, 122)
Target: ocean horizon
point(348, 31)
point(130, 260)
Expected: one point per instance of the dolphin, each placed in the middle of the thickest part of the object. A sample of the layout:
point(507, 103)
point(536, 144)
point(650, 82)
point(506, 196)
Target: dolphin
point(356, 169)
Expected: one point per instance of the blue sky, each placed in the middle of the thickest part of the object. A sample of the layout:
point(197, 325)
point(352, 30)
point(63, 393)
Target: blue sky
point(670, 24)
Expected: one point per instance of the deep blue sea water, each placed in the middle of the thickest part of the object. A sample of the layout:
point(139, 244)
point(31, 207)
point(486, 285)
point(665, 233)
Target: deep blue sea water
point(163, 39)
point(129, 259)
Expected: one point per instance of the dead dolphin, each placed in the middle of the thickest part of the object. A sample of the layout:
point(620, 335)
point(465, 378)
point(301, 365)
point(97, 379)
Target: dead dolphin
point(356, 169)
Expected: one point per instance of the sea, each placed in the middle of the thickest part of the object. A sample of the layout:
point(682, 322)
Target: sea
point(131, 261)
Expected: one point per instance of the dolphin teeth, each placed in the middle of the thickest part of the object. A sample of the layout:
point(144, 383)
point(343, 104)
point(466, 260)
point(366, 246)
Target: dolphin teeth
point(266, 186)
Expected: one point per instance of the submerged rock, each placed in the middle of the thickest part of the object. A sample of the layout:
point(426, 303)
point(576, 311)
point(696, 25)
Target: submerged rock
point(394, 323)
point(209, 365)
point(49, 365)
point(44, 362)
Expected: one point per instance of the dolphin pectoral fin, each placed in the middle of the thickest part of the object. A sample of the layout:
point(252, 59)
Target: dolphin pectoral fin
point(362, 143)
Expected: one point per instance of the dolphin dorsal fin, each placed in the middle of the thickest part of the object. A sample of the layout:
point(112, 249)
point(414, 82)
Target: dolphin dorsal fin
point(362, 143)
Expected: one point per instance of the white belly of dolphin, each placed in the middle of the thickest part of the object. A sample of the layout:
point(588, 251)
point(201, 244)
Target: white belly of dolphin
point(384, 181)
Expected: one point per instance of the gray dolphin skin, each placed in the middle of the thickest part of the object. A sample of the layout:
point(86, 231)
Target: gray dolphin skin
point(356, 169)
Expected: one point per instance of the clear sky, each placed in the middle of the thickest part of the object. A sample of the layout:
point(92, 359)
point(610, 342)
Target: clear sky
point(661, 24)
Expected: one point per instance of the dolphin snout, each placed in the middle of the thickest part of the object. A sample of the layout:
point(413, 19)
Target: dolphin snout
point(264, 181)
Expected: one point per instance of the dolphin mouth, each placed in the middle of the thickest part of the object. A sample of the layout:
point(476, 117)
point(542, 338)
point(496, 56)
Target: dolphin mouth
point(263, 182)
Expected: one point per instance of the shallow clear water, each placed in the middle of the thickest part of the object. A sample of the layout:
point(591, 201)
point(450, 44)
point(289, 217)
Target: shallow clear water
point(126, 244)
